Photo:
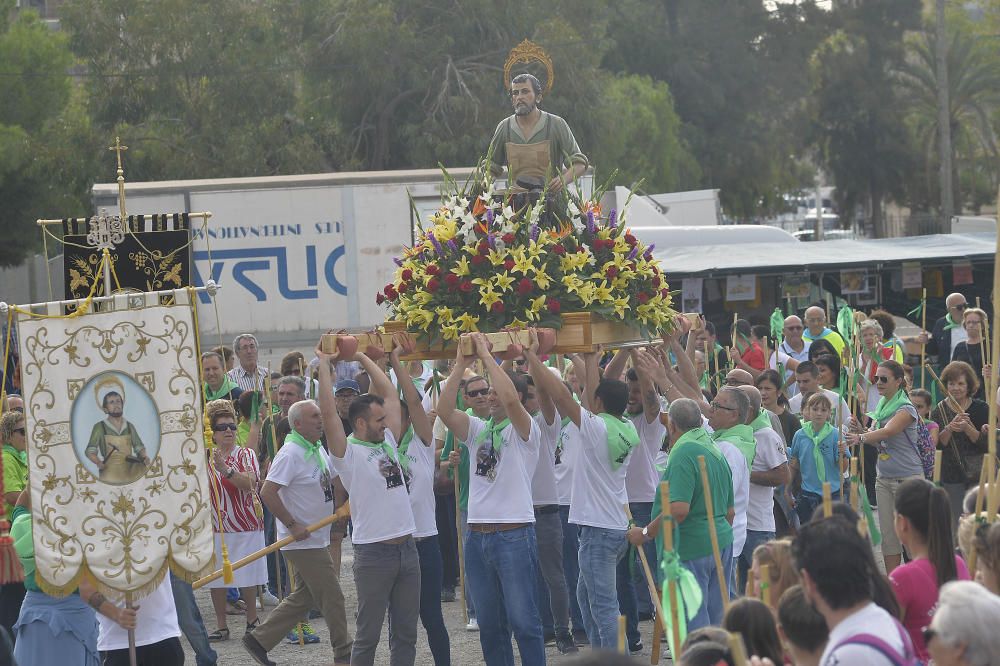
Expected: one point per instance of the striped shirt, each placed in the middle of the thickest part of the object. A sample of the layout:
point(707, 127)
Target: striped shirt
point(250, 381)
point(235, 505)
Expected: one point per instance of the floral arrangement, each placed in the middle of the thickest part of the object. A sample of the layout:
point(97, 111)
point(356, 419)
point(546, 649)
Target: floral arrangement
point(480, 263)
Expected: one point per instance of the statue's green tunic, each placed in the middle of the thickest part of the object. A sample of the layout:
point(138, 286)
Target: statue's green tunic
point(113, 448)
point(549, 150)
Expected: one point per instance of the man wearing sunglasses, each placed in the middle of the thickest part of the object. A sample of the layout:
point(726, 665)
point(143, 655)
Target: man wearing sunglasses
point(947, 331)
point(796, 346)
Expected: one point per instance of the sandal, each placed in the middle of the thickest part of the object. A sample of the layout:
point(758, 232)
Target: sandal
point(253, 625)
point(219, 635)
point(237, 607)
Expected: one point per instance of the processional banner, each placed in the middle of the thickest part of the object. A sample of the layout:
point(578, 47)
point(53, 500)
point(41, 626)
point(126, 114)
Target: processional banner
point(116, 458)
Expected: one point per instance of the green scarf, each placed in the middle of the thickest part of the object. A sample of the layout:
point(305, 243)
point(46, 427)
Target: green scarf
point(762, 421)
point(701, 436)
point(740, 436)
point(312, 449)
point(622, 438)
point(495, 432)
point(404, 444)
point(20, 455)
point(886, 408)
point(688, 592)
point(227, 386)
point(866, 508)
point(390, 451)
point(950, 323)
point(816, 439)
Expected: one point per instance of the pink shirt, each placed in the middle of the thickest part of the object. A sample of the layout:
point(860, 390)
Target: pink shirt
point(915, 584)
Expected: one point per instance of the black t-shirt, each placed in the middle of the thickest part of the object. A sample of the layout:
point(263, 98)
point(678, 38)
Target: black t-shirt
point(962, 459)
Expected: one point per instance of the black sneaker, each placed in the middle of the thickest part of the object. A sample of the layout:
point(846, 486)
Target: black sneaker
point(549, 637)
point(635, 648)
point(580, 637)
point(565, 643)
point(256, 650)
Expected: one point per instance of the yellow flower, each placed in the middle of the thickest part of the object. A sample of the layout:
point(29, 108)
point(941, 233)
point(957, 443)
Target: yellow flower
point(574, 261)
point(419, 317)
point(422, 297)
point(462, 267)
point(503, 281)
point(620, 305)
point(602, 293)
point(467, 322)
point(487, 297)
point(444, 314)
point(517, 323)
point(522, 262)
point(571, 282)
point(445, 230)
point(449, 332)
point(497, 257)
point(586, 292)
point(542, 279)
point(536, 306)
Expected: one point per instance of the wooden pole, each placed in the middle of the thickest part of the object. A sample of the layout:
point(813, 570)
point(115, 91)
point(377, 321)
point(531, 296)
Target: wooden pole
point(827, 500)
point(944, 392)
point(667, 525)
point(716, 553)
point(995, 352)
point(738, 649)
point(978, 509)
point(923, 327)
point(621, 634)
point(132, 658)
point(343, 512)
point(855, 499)
point(937, 467)
point(765, 584)
point(650, 583)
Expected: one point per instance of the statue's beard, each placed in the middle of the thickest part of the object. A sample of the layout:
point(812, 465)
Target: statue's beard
point(524, 109)
point(115, 414)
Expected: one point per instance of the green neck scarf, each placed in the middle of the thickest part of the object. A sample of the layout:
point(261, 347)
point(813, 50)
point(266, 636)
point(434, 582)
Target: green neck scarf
point(390, 451)
point(312, 449)
point(701, 436)
point(622, 438)
point(688, 592)
point(740, 436)
point(404, 446)
point(227, 386)
point(950, 323)
point(20, 455)
point(494, 431)
point(886, 408)
point(816, 439)
point(762, 421)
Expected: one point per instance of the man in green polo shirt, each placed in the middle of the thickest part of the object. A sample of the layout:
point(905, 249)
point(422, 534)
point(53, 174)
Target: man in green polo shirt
point(534, 145)
point(692, 540)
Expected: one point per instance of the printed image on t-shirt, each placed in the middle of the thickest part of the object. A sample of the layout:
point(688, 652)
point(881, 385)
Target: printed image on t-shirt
point(559, 447)
point(393, 474)
point(487, 459)
point(326, 483)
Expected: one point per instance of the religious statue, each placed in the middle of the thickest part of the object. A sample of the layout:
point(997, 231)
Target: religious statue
point(114, 445)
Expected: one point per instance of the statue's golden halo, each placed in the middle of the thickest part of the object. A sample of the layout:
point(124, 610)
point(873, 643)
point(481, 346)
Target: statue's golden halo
point(526, 52)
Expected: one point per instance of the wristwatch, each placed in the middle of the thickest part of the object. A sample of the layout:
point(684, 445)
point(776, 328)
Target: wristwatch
point(230, 473)
point(290, 524)
point(861, 438)
point(645, 532)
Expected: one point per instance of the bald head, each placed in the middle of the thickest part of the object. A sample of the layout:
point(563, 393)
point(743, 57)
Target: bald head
point(956, 305)
point(792, 330)
point(815, 320)
point(738, 377)
point(753, 395)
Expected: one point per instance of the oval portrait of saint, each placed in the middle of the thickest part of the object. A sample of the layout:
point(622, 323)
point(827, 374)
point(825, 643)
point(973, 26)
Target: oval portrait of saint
point(115, 427)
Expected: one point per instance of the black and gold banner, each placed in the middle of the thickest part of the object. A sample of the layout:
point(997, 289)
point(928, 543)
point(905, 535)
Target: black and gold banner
point(156, 255)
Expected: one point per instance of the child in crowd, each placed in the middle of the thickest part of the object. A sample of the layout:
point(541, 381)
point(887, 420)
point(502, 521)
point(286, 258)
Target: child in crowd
point(801, 628)
point(814, 456)
point(777, 557)
point(923, 401)
point(755, 622)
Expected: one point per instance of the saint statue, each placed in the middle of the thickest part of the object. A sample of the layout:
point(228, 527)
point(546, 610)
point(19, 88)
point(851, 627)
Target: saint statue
point(114, 445)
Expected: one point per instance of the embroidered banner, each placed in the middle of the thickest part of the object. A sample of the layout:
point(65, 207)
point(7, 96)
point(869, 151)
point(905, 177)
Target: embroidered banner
point(156, 255)
point(116, 456)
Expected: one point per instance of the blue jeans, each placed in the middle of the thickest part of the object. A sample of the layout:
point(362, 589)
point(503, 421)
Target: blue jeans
point(806, 503)
point(502, 568)
point(754, 539)
point(703, 568)
point(431, 572)
point(600, 550)
point(631, 589)
point(191, 625)
point(571, 565)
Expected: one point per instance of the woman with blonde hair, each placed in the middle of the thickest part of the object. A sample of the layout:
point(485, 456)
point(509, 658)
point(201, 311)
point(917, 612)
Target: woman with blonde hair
point(974, 321)
point(781, 573)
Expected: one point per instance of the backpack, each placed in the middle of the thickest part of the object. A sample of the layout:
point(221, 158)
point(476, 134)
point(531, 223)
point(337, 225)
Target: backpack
point(908, 658)
point(924, 446)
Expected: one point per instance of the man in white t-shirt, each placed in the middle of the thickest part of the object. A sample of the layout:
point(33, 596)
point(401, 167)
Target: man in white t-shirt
point(641, 478)
point(807, 378)
point(386, 564)
point(768, 470)
point(795, 347)
point(157, 634)
point(501, 553)
point(299, 492)
point(837, 570)
point(607, 439)
point(545, 499)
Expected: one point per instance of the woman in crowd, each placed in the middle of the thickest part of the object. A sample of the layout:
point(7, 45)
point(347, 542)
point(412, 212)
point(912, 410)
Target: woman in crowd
point(964, 629)
point(888, 337)
point(985, 540)
point(974, 322)
point(961, 418)
point(293, 364)
point(234, 477)
point(777, 557)
point(773, 399)
point(872, 353)
point(829, 373)
point(923, 526)
point(15, 478)
point(755, 622)
point(815, 456)
point(894, 434)
point(57, 630)
point(819, 348)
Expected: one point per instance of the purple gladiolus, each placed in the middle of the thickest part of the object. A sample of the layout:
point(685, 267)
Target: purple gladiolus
point(633, 253)
point(489, 216)
point(397, 261)
point(435, 243)
point(590, 221)
point(613, 220)
point(452, 246)
point(648, 254)
point(489, 241)
point(534, 232)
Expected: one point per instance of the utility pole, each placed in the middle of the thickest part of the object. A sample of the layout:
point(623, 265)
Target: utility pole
point(944, 119)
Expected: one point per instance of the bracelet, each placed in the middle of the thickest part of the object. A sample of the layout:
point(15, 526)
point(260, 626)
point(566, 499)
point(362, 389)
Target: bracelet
point(96, 600)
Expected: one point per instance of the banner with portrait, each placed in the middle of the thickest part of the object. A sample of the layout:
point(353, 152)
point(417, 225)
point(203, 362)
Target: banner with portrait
point(116, 459)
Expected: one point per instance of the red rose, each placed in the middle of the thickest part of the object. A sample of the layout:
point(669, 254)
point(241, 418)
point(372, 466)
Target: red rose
point(630, 239)
point(558, 249)
point(656, 281)
point(433, 285)
point(466, 286)
point(553, 305)
point(478, 259)
point(390, 291)
point(483, 247)
point(524, 286)
point(432, 269)
point(407, 275)
point(508, 238)
point(665, 293)
point(509, 264)
point(643, 297)
point(403, 286)
point(497, 306)
point(611, 272)
point(451, 280)
point(379, 298)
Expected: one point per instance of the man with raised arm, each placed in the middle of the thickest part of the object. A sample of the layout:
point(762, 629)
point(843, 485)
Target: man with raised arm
point(386, 564)
point(599, 497)
point(501, 553)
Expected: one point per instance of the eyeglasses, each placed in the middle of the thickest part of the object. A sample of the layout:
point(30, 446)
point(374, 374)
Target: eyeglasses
point(715, 405)
point(477, 393)
point(960, 306)
point(222, 427)
point(928, 634)
point(18, 430)
point(793, 328)
point(274, 387)
point(882, 379)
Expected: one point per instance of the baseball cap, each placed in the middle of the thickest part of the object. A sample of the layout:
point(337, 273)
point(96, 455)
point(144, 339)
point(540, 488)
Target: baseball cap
point(345, 384)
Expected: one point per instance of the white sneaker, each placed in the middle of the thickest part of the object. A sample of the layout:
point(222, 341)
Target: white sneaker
point(473, 625)
point(267, 599)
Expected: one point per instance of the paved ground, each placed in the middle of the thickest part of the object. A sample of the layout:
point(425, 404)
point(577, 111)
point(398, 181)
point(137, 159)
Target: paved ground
point(464, 645)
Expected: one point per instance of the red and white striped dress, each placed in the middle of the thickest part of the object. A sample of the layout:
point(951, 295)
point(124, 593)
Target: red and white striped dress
point(235, 505)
